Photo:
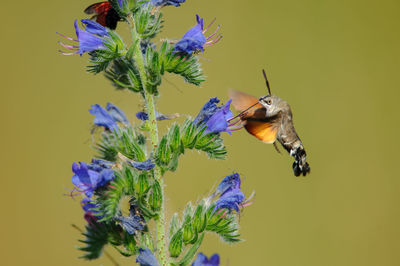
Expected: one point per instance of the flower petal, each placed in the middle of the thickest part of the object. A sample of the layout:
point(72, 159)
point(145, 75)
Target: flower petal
point(146, 258)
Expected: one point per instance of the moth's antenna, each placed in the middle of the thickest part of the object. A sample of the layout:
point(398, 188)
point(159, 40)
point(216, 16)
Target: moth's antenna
point(266, 81)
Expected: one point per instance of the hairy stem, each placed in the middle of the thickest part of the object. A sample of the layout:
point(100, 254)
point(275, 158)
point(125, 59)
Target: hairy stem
point(150, 106)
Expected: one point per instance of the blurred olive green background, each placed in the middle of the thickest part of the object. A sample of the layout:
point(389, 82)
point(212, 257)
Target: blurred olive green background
point(335, 62)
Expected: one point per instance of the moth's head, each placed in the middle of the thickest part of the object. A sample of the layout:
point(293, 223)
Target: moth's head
point(273, 105)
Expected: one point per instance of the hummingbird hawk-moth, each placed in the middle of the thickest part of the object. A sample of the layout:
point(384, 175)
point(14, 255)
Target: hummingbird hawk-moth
point(269, 119)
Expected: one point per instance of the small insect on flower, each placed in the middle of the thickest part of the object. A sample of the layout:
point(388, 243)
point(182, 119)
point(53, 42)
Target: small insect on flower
point(269, 119)
point(202, 260)
point(104, 14)
point(194, 40)
point(89, 39)
point(146, 258)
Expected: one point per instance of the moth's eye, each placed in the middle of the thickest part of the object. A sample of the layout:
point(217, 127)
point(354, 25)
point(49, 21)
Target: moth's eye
point(269, 101)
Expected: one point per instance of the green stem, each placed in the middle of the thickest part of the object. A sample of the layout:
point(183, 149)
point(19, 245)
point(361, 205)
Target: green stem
point(150, 106)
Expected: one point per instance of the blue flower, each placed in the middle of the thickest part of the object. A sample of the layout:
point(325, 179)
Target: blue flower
point(117, 114)
point(218, 122)
point(231, 198)
point(202, 260)
point(89, 206)
point(87, 178)
point(207, 111)
point(216, 118)
point(108, 118)
point(165, 2)
point(120, 3)
point(146, 258)
point(91, 38)
point(133, 222)
point(146, 165)
point(229, 182)
point(194, 40)
point(144, 116)
point(94, 28)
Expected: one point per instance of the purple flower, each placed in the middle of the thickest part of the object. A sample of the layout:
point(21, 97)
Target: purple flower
point(202, 260)
point(229, 182)
point(89, 206)
point(231, 198)
point(146, 165)
point(87, 178)
point(218, 122)
point(207, 111)
point(91, 38)
point(108, 118)
point(120, 3)
point(217, 118)
point(194, 40)
point(146, 258)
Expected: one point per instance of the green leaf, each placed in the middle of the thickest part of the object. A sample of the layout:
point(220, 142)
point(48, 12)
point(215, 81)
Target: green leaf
point(224, 224)
point(189, 136)
point(124, 74)
point(122, 185)
point(102, 58)
point(124, 141)
point(96, 238)
point(186, 66)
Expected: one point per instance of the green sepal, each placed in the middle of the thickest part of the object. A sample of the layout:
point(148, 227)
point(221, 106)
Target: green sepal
point(200, 217)
point(155, 196)
point(187, 213)
point(188, 233)
point(153, 69)
point(176, 244)
point(146, 241)
point(190, 253)
point(174, 225)
point(142, 184)
point(147, 24)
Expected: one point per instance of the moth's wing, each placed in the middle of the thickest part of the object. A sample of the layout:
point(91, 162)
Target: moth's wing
point(96, 8)
point(241, 101)
point(264, 131)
